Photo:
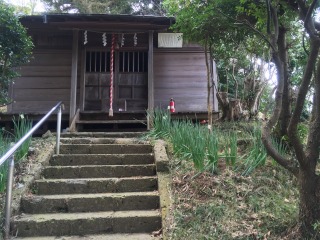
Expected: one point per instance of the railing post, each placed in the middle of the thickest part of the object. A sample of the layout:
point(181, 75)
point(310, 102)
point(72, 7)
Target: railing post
point(58, 130)
point(8, 197)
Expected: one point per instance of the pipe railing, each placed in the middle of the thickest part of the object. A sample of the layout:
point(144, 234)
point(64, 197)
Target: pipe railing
point(10, 155)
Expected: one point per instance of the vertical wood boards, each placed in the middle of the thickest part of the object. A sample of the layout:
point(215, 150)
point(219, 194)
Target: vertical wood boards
point(44, 81)
point(181, 76)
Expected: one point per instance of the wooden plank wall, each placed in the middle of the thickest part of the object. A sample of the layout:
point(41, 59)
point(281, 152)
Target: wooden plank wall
point(43, 82)
point(182, 76)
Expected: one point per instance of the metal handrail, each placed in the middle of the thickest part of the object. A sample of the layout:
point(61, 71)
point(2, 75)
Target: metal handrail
point(10, 155)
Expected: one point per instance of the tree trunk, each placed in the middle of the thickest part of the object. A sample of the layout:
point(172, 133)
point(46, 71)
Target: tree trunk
point(224, 104)
point(309, 208)
point(286, 109)
point(234, 110)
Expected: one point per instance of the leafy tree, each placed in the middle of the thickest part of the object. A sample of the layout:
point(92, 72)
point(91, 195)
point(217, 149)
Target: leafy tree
point(89, 6)
point(280, 16)
point(280, 24)
point(136, 7)
point(25, 7)
point(148, 7)
point(208, 23)
point(15, 48)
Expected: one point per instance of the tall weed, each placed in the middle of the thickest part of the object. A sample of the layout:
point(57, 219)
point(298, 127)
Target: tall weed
point(257, 155)
point(21, 126)
point(194, 142)
point(4, 146)
point(188, 142)
point(212, 150)
point(231, 149)
point(161, 123)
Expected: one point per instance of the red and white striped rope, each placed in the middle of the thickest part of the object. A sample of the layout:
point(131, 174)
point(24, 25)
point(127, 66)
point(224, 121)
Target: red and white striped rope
point(111, 73)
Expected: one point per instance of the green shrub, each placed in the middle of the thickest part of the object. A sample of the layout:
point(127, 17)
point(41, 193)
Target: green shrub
point(21, 126)
point(194, 142)
point(4, 146)
point(257, 154)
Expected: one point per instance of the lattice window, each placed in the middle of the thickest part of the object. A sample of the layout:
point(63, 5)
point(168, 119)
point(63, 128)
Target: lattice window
point(129, 61)
point(133, 62)
point(98, 61)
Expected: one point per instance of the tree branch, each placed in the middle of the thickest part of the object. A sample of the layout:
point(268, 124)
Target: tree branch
point(264, 37)
point(284, 162)
point(268, 16)
point(275, 24)
point(305, 15)
point(313, 142)
point(266, 131)
point(309, 13)
point(304, 44)
point(303, 90)
point(247, 24)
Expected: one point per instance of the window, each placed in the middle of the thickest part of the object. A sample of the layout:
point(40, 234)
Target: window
point(133, 62)
point(129, 62)
point(98, 61)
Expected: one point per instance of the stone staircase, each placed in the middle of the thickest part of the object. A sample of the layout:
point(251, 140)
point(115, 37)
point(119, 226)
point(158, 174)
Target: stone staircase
point(97, 188)
point(97, 121)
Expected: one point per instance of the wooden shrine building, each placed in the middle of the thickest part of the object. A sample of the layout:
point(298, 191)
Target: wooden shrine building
point(77, 57)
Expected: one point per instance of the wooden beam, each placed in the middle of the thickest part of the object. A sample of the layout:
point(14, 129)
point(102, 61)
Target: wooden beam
point(150, 80)
point(74, 75)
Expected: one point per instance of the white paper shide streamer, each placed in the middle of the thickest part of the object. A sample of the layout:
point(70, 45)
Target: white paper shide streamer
point(85, 36)
point(104, 39)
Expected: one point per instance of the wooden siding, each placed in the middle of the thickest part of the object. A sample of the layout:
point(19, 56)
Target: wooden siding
point(44, 81)
point(181, 76)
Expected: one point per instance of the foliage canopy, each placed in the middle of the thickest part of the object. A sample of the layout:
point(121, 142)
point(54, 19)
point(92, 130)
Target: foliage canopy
point(15, 48)
point(289, 30)
point(138, 7)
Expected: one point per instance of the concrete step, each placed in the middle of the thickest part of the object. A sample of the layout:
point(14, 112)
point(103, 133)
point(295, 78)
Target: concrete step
point(99, 171)
point(131, 121)
point(99, 115)
point(124, 236)
point(87, 223)
point(101, 141)
point(95, 185)
point(104, 149)
point(104, 134)
point(36, 204)
point(101, 159)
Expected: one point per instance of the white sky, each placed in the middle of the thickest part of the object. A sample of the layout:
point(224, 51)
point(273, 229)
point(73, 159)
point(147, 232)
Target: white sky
point(39, 5)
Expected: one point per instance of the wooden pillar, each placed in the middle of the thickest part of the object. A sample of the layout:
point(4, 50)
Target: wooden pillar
point(150, 81)
point(74, 75)
point(82, 79)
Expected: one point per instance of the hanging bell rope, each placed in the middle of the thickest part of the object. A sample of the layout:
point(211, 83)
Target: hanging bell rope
point(111, 74)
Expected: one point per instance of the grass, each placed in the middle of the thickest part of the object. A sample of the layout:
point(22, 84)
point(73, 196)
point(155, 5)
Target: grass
point(256, 154)
point(4, 146)
point(231, 206)
point(195, 143)
point(223, 189)
point(21, 127)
